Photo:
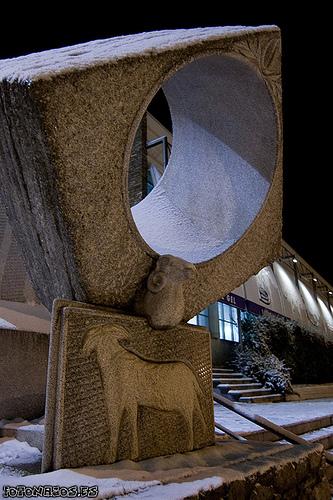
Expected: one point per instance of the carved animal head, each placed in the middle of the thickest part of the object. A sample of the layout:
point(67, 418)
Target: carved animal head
point(169, 269)
point(101, 335)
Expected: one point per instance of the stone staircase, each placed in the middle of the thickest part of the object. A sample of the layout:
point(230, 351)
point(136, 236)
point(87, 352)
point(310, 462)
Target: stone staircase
point(237, 387)
point(317, 431)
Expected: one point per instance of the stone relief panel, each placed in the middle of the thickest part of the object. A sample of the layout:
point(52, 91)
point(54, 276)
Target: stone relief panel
point(131, 381)
point(123, 390)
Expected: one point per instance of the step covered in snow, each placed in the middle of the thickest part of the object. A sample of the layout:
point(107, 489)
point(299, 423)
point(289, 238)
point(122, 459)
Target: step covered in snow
point(249, 392)
point(223, 388)
point(271, 398)
point(244, 380)
point(323, 436)
point(229, 375)
point(222, 370)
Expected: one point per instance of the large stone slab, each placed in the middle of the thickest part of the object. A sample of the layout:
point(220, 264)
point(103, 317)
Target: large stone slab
point(117, 389)
point(68, 118)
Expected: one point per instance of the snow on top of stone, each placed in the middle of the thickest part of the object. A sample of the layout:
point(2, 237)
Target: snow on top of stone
point(46, 64)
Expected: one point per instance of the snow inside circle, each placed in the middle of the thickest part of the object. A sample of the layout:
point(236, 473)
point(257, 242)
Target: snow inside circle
point(222, 162)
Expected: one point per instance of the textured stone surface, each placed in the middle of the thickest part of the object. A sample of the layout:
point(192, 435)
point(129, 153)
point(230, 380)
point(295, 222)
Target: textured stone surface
point(23, 366)
point(14, 281)
point(68, 118)
point(163, 301)
point(119, 389)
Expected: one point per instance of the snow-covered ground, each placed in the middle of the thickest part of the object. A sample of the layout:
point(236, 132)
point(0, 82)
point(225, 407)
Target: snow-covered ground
point(110, 487)
point(19, 462)
point(15, 454)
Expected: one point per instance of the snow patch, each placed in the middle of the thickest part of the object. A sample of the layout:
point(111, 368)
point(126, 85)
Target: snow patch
point(5, 324)
point(178, 491)
point(14, 452)
point(114, 487)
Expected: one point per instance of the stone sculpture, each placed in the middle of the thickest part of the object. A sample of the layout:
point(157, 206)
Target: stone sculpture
point(68, 118)
point(142, 382)
point(163, 301)
point(67, 122)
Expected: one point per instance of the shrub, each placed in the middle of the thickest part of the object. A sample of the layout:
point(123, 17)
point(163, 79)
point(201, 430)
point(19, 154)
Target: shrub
point(254, 358)
point(275, 350)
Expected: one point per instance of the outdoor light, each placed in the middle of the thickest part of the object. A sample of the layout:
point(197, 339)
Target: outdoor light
point(330, 293)
point(315, 279)
point(295, 260)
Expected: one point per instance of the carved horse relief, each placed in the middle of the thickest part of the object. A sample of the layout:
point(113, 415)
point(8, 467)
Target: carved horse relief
point(131, 381)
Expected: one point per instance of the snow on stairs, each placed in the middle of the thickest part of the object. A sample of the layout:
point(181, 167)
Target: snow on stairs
point(237, 387)
point(316, 430)
point(32, 432)
point(323, 435)
point(267, 398)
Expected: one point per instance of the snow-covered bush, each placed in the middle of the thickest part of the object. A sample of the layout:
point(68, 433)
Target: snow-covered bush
point(255, 359)
point(305, 355)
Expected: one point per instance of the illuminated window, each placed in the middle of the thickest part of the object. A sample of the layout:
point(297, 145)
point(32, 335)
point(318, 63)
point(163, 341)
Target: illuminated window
point(228, 322)
point(150, 183)
point(153, 176)
point(200, 319)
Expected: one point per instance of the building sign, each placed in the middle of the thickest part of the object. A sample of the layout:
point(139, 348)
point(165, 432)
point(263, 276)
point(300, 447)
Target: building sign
point(264, 295)
point(235, 300)
point(248, 305)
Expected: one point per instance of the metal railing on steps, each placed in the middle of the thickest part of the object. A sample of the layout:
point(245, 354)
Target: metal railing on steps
point(262, 422)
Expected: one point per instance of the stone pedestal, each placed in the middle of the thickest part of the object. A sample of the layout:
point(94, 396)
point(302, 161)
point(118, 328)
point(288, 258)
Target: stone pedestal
point(118, 389)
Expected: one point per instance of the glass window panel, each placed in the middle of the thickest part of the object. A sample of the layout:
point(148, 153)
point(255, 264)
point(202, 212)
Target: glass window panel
point(228, 322)
point(204, 312)
point(221, 331)
point(193, 321)
point(227, 331)
point(203, 320)
point(226, 312)
point(233, 314)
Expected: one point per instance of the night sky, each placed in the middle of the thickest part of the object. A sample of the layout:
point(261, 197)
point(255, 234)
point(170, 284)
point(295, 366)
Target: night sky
point(306, 90)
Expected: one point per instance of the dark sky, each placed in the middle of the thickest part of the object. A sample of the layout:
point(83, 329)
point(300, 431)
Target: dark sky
point(307, 90)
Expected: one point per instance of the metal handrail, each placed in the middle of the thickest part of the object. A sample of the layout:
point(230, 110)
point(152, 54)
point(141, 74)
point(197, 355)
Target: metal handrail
point(264, 423)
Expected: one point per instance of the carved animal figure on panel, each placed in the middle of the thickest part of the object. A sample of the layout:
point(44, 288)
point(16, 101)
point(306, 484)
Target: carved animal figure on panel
point(130, 381)
point(163, 301)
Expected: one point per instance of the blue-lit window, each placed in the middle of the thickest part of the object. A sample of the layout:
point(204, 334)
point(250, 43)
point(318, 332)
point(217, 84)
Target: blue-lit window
point(228, 322)
point(153, 176)
point(200, 319)
point(150, 183)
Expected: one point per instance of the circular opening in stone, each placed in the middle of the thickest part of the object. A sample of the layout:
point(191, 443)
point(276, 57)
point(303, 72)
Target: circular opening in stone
point(222, 161)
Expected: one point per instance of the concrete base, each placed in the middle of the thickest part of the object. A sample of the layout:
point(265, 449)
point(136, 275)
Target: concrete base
point(233, 470)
